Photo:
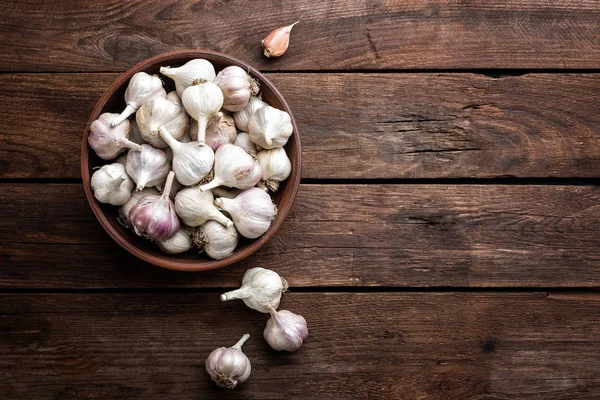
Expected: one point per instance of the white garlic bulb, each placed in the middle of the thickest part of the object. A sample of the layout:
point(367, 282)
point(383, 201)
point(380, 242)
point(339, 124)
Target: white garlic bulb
point(270, 128)
point(237, 87)
point(135, 196)
point(111, 184)
point(260, 289)
point(217, 240)
point(276, 167)
point(220, 130)
point(134, 133)
point(229, 366)
point(285, 330)
point(141, 88)
point(190, 162)
point(202, 102)
point(108, 141)
point(147, 167)
point(242, 117)
point(157, 112)
point(243, 140)
point(195, 208)
point(180, 242)
point(252, 212)
point(174, 97)
point(234, 168)
point(185, 75)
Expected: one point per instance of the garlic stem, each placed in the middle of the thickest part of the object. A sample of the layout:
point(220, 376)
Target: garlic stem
point(131, 145)
point(202, 131)
point(241, 293)
point(141, 182)
point(120, 180)
point(168, 184)
point(129, 110)
point(167, 137)
point(240, 343)
point(210, 185)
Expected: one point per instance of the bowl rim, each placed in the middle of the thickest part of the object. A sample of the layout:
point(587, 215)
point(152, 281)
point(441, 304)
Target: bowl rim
point(283, 209)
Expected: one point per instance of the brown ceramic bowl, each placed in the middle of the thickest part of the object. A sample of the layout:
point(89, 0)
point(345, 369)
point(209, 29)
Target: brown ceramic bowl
point(112, 101)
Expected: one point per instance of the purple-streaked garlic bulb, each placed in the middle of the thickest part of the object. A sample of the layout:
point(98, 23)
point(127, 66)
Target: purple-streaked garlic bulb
point(229, 366)
point(147, 167)
point(107, 141)
point(234, 168)
point(154, 215)
point(252, 211)
point(135, 197)
point(141, 88)
point(285, 330)
point(220, 130)
point(237, 87)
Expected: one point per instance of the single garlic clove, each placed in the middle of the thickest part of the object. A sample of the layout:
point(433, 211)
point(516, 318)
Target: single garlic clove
point(270, 128)
point(234, 167)
point(141, 88)
point(260, 289)
point(285, 330)
point(108, 141)
point(229, 366)
point(189, 72)
point(147, 167)
point(276, 43)
point(111, 184)
point(195, 208)
point(252, 212)
point(217, 240)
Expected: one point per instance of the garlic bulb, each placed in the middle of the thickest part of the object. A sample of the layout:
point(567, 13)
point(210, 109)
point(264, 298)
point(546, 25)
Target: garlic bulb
point(147, 167)
point(185, 75)
point(243, 140)
point(142, 87)
point(260, 289)
point(242, 117)
point(220, 130)
point(217, 241)
point(237, 87)
point(190, 162)
point(157, 112)
point(252, 212)
point(202, 102)
point(270, 128)
point(134, 133)
point(195, 208)
point(276, 43)
point(234, 168)
point(111, 184)
point(276, 167)
point(229, 366)
point(135, 197)
point(180, 242)
point(107, 141)
point(154, 216)
point(285, 330)
point(174, 97)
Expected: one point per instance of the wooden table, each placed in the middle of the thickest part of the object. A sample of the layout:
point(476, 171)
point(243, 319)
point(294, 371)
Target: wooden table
point(445, 243)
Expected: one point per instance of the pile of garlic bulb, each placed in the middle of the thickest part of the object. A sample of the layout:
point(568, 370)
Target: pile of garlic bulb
point(200, 161)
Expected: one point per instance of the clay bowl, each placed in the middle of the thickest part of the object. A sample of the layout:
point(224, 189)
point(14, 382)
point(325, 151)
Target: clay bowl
point(112, 101)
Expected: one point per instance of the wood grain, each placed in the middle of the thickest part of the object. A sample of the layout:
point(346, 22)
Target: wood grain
point(336, 235)
point(363, 126)
point(106, 35)
point(371, 345)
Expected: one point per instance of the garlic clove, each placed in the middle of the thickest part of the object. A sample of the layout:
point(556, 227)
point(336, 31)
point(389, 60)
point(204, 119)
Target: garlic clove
point(252, 212)
point(195, 208)
point(234, 168)
point(147, 167)
point(141, 88)
point(260, 289)
point(180, 242)
point(276, 167)
point(108, 141)
point(189, 72)
point(270, 128)
point(190, 162)
point(217, 240)
point(228, 367)
point(237, 86)
point(202, 102)
point(242, 117)
point(285, 330)
point(111, 184)
point(276, 43)
point(220, 130)
point(157, 112)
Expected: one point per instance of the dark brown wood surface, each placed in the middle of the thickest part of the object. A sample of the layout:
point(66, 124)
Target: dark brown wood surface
point(363, 126)
point(478, 280)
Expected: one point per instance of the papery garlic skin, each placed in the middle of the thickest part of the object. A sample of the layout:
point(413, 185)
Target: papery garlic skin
point(185, 75)
point(195, 208)
point(107, 141)
point(217, 241)
point(229, 366)
point(261, 288)
point(111, 184)
point(134, 133)
point(220, 130)
point(174, 97)
point(202, 102)
point(190, 162)
point(180, 242)
point(141, 88)
point(157, 112)
point(285, 330)
point(276, 43)
point(234, 168)
point(237, 87)
point(154, 216)
point(243, 140)
point(252, 212)
point(147, 167)
point(242, 117)
point(135, 197)
point(270, 128)
point(276, 167)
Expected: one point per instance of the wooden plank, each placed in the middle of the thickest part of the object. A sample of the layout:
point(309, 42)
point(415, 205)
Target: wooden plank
point(336, 235)
point(369, 345)
point(362, 126)
point(105, 35)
